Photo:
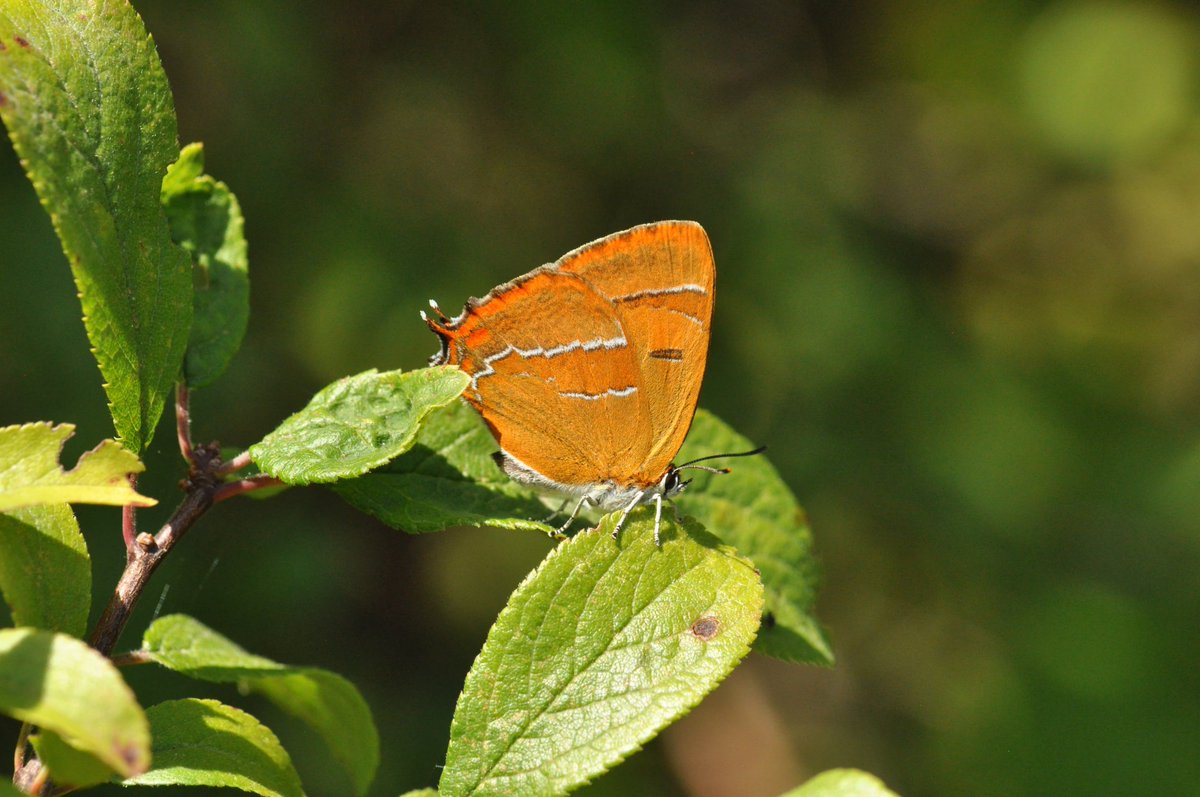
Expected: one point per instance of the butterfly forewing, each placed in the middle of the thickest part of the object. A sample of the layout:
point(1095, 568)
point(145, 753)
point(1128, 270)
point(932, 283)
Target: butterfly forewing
point(550, 370)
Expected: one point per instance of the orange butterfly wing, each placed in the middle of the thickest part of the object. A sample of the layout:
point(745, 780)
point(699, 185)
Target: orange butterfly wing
point(587, 370)
point(660, 278)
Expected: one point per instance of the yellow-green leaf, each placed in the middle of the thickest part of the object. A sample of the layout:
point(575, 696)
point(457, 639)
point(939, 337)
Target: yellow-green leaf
point(31, 474)
point(842, 783)
point(60, 684)
point(753, 510)
point(207, 743)
point(45, 571)
point(329, 704)
point(606, 643)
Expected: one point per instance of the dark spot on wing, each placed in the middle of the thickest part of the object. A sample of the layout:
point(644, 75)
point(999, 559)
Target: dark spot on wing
point(672, 355)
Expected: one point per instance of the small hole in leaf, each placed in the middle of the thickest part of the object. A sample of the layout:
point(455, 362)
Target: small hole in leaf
point(706, 628)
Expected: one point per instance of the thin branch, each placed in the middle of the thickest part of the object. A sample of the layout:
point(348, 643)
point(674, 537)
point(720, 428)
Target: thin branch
point(129, 521)
point(149, 550)
point(242, 460)
point(132, 658)
point(183, 421)
point(230, 489)
point(22, 742)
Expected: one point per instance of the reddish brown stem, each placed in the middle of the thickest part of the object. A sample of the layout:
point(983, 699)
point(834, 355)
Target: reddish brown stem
point(183, 421)
point(129, 522)
point(230, 489)
point(132, 658)
point(242, 460)
point(145, 556)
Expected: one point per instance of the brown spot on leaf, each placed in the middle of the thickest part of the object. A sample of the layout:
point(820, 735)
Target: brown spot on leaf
point(133, 758)
point(3, 100)
point(22, 41)
point(706, 628)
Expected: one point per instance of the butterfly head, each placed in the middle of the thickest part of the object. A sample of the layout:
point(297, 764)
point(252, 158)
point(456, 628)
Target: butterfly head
point(672, 484)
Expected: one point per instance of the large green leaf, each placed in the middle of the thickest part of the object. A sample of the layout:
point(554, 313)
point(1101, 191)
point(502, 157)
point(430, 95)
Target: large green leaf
point(68, 766)
point(753, 510)
point(207, 743)
point(326, 702)
point(447, 479)
point(842, 783)
point(206, 220)
point(45, 572)
point(356, 424)
point(60, 684)
point(30, 472)
point(90, 113)
point(603, 645)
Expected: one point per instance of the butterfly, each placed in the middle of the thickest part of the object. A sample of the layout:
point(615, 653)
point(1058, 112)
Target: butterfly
point(587, 370)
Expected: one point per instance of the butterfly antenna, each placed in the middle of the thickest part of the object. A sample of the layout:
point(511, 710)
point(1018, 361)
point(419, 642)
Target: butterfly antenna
point(692, 463)
point(434, 306)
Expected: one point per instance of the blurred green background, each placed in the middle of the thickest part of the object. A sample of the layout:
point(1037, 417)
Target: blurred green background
point(958, 248)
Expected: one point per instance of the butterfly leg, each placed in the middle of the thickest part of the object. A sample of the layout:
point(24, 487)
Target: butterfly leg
point(563, 528)
point(637, 499)
point(558, 511)
point(658, 499)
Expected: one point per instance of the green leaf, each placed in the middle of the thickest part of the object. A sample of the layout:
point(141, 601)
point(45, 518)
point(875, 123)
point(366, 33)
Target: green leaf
point(206, 220)
point(9, 790)
point(186, 645)
point(60, 684)
point(842, 783)
point(326, 702)
point(447, 479)
point(602, 646)
point(207, 743)
point(356, 424)
point(67, 765)
point(753, 510)
point(90, 113)
point(414, 793)
point(30, 472)
point(45, 571)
